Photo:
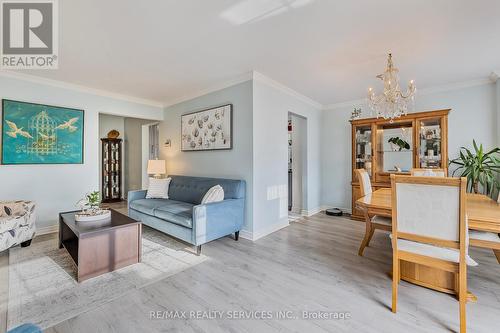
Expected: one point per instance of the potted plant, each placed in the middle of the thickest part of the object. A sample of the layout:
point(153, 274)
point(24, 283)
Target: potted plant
point(480, 168)
point(398, 144)
point(91, 201)
point(94, 199)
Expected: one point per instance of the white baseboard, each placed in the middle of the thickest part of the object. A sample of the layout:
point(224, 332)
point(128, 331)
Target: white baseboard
point(253, 236)
point(311, 212)
point(47, 230)
point(246, 234)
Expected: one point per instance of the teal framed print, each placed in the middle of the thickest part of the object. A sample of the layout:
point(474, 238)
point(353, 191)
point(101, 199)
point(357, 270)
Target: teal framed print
point(41, 134)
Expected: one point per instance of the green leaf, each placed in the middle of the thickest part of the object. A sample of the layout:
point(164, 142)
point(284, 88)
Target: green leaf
point(479, 167)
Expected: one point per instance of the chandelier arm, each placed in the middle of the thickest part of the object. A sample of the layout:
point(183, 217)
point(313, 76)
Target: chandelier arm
point(409, 93)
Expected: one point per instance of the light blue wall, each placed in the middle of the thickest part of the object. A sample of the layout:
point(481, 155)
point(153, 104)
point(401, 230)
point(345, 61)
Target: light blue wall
point(270, 141)
point(235, 163)
point(57, 188)
point(473, 116)
point(259, 155)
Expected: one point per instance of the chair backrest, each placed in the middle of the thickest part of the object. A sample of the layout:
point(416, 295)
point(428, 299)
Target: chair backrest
point(429, 172)
point(364, 181)
point(429, 210)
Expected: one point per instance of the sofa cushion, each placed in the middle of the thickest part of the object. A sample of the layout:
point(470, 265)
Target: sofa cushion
point(214, 194)
point(177, 212)
point(158, 188)
point(147, 206)
point(192, 189)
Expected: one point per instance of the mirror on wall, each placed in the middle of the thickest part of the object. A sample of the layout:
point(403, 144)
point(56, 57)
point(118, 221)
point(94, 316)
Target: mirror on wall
point(394, 151)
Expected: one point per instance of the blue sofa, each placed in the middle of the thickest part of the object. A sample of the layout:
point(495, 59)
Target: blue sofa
point(184, 217)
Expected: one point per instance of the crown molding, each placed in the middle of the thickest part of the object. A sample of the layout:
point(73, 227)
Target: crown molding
point(275, 84)
point(222, 85)
point(425, 91)
point(79, 88)
point(253, 75)
point(454, 86)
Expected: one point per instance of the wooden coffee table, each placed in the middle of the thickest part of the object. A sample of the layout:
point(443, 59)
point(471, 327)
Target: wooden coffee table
point(102, 246)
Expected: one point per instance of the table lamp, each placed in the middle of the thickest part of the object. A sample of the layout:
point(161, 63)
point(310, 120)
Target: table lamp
point(156, 167)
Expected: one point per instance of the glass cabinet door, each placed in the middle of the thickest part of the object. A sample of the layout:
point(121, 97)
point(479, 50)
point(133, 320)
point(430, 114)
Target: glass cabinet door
point(430, 147)
point(363, 148)
point(394, 149)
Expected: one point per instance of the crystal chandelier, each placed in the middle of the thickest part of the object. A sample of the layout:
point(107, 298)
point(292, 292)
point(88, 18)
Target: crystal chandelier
point(392, 103)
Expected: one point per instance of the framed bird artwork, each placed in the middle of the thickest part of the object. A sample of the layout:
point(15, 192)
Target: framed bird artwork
point(41, 134)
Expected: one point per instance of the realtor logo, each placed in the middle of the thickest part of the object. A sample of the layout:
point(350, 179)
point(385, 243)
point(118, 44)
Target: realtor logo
point(29, 34)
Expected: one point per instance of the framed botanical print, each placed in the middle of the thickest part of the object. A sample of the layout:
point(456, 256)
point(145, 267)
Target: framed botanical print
point(41, 134)
point(210, 129)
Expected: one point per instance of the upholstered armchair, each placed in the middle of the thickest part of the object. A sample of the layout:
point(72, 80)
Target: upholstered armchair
point(17, 223)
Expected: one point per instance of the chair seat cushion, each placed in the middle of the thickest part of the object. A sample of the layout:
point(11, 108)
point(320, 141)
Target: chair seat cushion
point(484, 236)
point(147, 206)
point(177, 212)
point(382, 220)
point(437, 252)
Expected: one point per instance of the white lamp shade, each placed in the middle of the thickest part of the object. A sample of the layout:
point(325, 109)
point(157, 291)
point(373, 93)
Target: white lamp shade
point(156, 167)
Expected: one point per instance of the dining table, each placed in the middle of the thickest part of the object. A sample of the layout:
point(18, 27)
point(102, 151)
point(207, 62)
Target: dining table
point(483, 215)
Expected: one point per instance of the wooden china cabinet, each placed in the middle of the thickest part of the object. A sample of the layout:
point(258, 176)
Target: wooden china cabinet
point(111, 170)
point(417, 140)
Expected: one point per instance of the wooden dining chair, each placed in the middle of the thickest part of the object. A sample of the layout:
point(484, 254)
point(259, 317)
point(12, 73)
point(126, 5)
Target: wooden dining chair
point(430, 228)
point(486, 240)
point(429, 172)
point(372, 222)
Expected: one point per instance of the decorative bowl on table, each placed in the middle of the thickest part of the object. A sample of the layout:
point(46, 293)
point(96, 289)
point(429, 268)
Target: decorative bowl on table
point(93, 215)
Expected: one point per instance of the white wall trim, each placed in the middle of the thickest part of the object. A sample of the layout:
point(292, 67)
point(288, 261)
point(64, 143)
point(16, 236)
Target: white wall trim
point(424, 91)
point(79, 88)
point(311, 212)
point(253, 236)
point(275, 84)
point(222, 85)
point(234, 81)
point(47, 230)
point(246, 234)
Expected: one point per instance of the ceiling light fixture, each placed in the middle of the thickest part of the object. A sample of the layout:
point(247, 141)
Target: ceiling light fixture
point(392, 103)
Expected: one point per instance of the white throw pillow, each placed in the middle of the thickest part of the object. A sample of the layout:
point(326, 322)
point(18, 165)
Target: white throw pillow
point(158, 188)
point(214, 194)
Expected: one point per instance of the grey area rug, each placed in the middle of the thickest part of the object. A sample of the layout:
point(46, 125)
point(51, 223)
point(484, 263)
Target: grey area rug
point(42, 278)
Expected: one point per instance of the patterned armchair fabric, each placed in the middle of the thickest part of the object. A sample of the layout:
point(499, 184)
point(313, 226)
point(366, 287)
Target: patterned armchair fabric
point(17, 223)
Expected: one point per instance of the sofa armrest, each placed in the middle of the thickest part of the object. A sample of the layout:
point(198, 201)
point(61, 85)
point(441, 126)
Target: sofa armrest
point(135, 195)
point(217, 219)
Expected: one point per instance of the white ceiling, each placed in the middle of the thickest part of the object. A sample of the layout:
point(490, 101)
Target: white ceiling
point(327, 50)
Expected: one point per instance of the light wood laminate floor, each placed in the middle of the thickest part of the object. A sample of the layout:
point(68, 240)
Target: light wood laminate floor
point(312, 265)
